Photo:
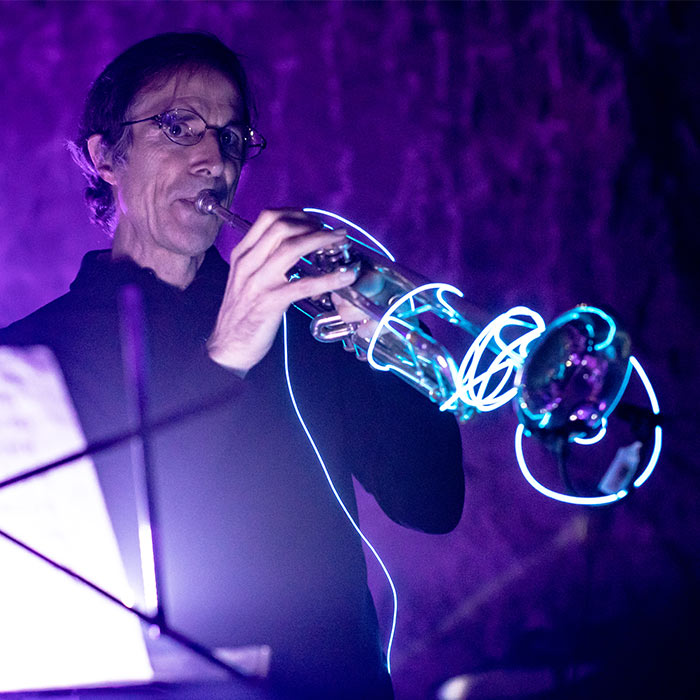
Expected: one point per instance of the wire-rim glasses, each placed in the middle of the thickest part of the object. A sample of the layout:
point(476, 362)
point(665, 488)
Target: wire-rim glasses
point(187, 128)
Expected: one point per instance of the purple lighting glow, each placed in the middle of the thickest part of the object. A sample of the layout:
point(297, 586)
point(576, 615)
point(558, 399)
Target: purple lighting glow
point(534, 153)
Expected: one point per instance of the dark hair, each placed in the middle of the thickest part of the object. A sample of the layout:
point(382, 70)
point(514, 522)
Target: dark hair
point(110, 96)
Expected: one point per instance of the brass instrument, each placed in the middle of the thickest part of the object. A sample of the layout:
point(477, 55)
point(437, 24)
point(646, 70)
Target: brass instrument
point(564, 380)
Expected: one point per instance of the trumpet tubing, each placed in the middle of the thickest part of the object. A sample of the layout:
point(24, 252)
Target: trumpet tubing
point(564, 380)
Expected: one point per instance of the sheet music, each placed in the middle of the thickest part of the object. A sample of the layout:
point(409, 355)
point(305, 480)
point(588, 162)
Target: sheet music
point(55, 632)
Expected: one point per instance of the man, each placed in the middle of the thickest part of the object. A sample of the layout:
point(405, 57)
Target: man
point(255, 548)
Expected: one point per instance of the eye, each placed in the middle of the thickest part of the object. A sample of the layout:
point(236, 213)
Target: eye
point(230, 138)
point(181, 126)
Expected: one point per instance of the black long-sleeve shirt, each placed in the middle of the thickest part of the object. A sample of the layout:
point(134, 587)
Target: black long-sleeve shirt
point(256, 549)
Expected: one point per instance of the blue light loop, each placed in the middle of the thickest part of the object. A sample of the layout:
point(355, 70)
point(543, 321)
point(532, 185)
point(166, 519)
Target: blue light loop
point(597, 500)
point(488, 388)
point(484, 389)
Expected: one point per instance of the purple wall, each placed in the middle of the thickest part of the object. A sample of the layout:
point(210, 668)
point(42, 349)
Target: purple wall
point(542, 154)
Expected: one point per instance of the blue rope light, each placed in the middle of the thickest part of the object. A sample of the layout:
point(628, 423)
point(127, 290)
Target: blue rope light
point(595, 438)
point(382, 249)
point(472, 383)
point(556, 495)
point(337, 495)
point(597, 500)
point(657, 429)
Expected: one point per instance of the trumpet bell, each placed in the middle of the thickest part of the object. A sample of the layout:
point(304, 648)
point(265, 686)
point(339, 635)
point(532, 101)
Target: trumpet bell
point(574, 375)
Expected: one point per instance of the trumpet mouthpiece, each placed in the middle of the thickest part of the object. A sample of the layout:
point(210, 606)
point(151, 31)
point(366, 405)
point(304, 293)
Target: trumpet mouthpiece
point(206, 202)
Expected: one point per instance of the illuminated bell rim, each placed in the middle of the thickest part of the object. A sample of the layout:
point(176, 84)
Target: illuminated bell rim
point(583, 308)
point(597, 429)
point(594, 433)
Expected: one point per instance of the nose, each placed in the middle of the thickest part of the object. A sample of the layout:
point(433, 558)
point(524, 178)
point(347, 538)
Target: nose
point(206, 156)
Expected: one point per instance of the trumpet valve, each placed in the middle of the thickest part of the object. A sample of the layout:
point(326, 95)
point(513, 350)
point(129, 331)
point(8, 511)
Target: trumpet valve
point(332, 258)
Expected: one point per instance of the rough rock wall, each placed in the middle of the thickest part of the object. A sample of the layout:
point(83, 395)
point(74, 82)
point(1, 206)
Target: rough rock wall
point(536, 153)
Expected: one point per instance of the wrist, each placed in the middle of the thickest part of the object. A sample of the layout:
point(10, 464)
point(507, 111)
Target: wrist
point(226, 359)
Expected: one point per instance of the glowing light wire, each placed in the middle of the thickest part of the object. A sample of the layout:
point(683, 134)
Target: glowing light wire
point(621, 390)
point(359, 229)
point(563, 497)
point(657, 429)
point(593, 439)
point(337, 495)
point(389, 316)
point(471, 385)
point(598, 500)
point(575, 314)
point(612, 327)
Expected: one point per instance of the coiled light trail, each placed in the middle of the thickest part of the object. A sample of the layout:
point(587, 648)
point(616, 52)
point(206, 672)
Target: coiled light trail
point(476, 383)
point(611, 498)
point(482, 388)
point(485, 386)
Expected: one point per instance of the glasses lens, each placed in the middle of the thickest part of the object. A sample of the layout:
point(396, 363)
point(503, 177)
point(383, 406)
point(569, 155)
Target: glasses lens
point(232, 141)
point(182, 126)
point(187, 128)
point(254, 143)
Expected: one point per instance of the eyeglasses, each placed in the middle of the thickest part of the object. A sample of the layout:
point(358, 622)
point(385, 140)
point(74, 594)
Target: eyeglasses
point(186, 128)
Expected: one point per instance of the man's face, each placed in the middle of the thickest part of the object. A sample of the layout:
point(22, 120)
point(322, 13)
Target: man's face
point(156, 187)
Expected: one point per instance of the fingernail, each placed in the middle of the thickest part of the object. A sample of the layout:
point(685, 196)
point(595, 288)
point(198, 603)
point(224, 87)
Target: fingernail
point(347, 275)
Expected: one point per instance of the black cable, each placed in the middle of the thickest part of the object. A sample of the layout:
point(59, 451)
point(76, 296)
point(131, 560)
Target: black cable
point(562, 451)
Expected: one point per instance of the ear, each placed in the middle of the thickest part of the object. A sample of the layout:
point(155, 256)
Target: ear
point(101, 158)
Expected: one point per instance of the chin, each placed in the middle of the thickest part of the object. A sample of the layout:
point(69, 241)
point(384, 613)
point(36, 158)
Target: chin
point(194, 240)
point(197, 244)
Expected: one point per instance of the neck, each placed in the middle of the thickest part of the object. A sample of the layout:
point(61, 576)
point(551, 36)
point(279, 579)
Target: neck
point(173, 267)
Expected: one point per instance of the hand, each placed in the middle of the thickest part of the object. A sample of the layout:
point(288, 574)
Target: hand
point(370, 284)
point(257, 291)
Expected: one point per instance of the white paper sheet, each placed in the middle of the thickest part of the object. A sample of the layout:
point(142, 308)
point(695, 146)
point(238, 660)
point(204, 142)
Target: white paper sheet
point(55, 632)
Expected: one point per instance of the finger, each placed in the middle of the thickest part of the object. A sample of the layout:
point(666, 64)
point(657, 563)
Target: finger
point(348, 311)
point(264, 236)
point(272, 226)
point(269, 284)
point(293, 249)
point(365, 325)
point(313, 286)
point(249, 260)
point(276, 264)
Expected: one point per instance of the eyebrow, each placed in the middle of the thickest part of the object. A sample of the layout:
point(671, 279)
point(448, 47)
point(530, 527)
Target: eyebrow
point(231, 122)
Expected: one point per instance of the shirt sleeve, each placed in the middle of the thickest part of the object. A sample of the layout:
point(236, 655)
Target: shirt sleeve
point(403, 449)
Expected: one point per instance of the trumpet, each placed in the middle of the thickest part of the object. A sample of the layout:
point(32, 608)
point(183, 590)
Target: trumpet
point(564, 379)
